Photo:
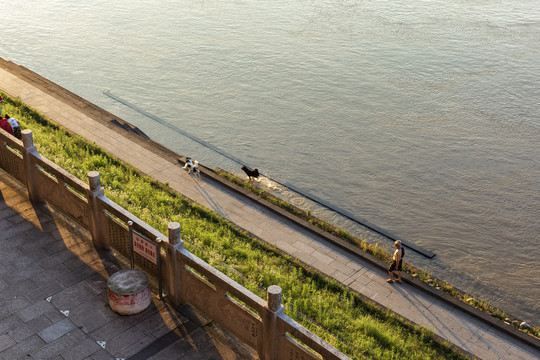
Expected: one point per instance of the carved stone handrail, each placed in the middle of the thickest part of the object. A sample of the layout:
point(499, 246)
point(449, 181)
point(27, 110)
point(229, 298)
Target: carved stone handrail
point(261, 324)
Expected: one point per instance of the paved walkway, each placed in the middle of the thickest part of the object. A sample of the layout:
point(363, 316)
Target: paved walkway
point(54, 299)
point(469, 333)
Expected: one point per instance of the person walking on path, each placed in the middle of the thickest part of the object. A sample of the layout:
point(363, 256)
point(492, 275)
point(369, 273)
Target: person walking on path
point(397, 260)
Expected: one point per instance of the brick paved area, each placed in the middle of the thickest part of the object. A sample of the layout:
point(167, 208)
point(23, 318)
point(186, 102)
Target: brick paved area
point(54, 300)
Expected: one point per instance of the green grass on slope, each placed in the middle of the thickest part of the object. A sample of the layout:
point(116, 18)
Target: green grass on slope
point(321, 304)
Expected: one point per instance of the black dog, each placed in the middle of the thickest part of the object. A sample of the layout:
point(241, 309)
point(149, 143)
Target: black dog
point(251, 173)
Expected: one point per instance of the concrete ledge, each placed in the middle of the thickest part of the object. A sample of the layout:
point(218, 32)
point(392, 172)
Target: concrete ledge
point(84, 106)
point(492, 321)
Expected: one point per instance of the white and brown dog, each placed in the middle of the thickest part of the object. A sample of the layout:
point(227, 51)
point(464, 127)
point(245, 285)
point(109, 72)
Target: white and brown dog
point(192, 165)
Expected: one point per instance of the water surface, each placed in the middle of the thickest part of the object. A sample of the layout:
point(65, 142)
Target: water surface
point(418, 116)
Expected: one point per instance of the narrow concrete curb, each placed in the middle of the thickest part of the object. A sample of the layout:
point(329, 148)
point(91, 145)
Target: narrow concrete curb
point(492, 321)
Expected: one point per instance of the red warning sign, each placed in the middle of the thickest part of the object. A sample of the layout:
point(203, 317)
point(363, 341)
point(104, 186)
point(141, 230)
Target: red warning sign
point(145, 248)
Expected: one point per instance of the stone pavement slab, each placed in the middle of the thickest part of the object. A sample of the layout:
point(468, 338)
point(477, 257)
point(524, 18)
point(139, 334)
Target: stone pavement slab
point(57, 330)
point(54, 298)
point(308, 247)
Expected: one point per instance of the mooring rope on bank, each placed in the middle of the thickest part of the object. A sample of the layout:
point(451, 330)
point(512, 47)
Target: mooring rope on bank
point(172, 127)
point(306, 194)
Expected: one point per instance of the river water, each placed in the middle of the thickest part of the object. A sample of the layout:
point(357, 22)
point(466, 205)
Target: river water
point(421, 117)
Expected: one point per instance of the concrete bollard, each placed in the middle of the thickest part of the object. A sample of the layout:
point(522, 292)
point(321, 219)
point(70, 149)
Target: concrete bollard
point(175, 236)
point(29, 149)
point(94, 180)
point(96, 228)
point(171, 267)
point(27, 138)
point(129, 291)
point(273, 297)
point(273, 310)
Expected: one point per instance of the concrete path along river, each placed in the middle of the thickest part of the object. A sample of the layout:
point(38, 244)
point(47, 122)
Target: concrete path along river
point(78, 116)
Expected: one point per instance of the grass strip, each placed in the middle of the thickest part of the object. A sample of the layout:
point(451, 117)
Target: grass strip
point(380, 253)
point(341, 317)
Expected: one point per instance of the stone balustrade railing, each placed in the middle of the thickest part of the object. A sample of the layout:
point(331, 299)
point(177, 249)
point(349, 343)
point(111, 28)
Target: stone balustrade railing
point(261, 324)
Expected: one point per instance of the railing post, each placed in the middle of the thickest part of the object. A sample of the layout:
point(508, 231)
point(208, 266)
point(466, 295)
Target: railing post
point(96, 227)
point(172, 267)
point(29, 148)
point(272, 311)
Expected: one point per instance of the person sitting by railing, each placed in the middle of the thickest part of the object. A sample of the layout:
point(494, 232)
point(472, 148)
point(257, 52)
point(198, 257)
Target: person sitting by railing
point(4, 124)
point(15, 126)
